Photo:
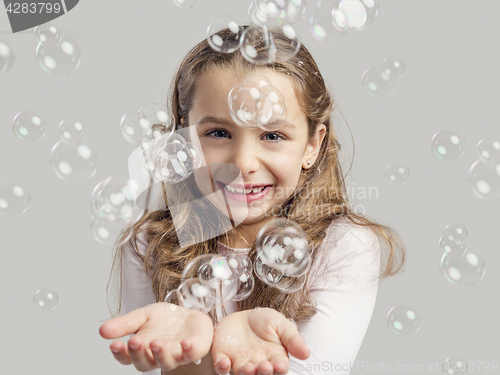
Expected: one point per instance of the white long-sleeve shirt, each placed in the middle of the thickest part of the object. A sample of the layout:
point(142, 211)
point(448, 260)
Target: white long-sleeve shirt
point(344, 284)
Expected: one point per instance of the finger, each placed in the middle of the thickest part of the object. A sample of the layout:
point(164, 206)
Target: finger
point(280, 364)
point(265, 368)
point(222, 363)
point(120, 352)
point(166, 356)
point(292, 340)
point(123, 325)
point(140, 355)
point(243, 367)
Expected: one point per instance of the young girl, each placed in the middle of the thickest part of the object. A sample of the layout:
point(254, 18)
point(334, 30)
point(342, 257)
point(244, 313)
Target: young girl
point(317, 329)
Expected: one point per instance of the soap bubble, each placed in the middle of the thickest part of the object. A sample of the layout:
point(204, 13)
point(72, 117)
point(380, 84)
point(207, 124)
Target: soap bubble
point(185, 4)
point(72, 131)
point(324, 26)
point(267, 12)
point(393, 67)
point(377, 83)
point(355, 14)
point(107, 231)
point(489, 150)
point(447, 145)
point(29, 126)
point(14, 199)
point(397, 174)
point(45, 300)
point(403, 320)
point(227, 41)
point(254, 103)
point(464, 270)
point(174, 164)
point(198, 294)
point(455, 365)
point(7, 57)
point(284, 246)
point(258, 47)
point(456, 232)
point(73, 161)
point(61, 58)
point(131, 129)
point(242, 265)
point(214, 270)
point(48, 34)
point(485, 179)
point(451, 247)
point(295, 10)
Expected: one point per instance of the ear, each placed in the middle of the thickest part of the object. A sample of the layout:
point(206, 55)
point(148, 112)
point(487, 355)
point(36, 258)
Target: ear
point(313, 147)
point(182, 120)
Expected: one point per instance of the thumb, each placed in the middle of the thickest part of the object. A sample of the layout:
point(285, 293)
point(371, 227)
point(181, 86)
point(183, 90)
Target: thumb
point(292, 340)
point(124, 325)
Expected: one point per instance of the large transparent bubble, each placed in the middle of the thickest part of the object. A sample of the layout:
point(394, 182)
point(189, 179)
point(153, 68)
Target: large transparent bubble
point(73, 161)
point(325, 25)
point(465, 270)
point(29, 126)
point(72, 130)
point(7, 57)
point(403, 320)
point(48, 34)
point(45, 300)
point(377, 83)
point(226, 42)
point(447, 145)
point(485, 179)
point(61, 58)
point(14, 199)
point(489, 149)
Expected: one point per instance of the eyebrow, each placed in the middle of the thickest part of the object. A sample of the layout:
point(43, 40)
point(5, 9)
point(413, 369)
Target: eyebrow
point(223, 121)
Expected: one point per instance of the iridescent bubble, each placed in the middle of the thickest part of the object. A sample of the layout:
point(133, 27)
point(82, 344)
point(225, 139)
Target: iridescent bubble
point(29, 126)
point(377, 83)
point(14, 199)
point(450, 247)
point(455, 365)
point(73, 161)
point(397, 174)
point(393, 67)
point(72, 130)
point(185, 4)
point(131, 128)
point(254, 103)
point(267, 12)
point(7, 57)
point(464, 270)
point(489, 150)
point(197, 294)
point(48, 34)
point(216, 272)
point(447, 145)
point(154, 114)
point(456, 232)
point(485, 179)
point(295, 11)
point(258, 47)
point(324, 26)
point(107, 231)
point(403, 320)
point(45, 300)
point(357, 14)
point(174, 164)
point(224, 34)
point(61, 58)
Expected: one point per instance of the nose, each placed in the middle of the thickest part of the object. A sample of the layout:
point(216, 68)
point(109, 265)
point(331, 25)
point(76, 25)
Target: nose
point(246, 155)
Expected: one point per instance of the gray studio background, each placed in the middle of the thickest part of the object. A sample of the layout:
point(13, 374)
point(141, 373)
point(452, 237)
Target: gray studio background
point(130, 50)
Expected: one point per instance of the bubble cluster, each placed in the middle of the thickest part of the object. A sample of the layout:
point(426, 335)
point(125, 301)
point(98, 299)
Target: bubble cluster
point(255, 102)
point(45, 300)
point(258, 47)
point(14, 199)
point(403, 320)
point(7, 57)
point(113, 208)
point(332, 21)
point(381, 80)
point(397, 174)
point(453, 240)
point(48, 34)
point(72, 131)
point(139, 126)
point(29, 126)
point(61, 58)
point(268, 12)
point(447, 145)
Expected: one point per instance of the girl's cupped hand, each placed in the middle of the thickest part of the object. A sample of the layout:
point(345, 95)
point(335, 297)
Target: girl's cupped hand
point(256, 341)
point(165, 336)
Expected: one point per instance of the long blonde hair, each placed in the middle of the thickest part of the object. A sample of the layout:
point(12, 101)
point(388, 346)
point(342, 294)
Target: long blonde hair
point(328, 202)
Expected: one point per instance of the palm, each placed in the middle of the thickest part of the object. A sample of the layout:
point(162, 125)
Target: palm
point(257, 339)
point(181, 336)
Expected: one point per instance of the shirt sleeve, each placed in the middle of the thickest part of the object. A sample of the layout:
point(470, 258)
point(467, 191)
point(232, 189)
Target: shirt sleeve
point(136, 285)
point(345, 297)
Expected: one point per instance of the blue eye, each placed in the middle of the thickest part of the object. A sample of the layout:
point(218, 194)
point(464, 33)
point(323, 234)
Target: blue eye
point(212, 132)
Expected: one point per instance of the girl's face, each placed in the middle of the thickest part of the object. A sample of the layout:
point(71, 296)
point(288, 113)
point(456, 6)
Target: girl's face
point(264, 158)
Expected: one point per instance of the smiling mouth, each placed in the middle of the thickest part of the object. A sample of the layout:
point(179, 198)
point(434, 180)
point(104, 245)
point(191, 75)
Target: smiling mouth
point(243, 191)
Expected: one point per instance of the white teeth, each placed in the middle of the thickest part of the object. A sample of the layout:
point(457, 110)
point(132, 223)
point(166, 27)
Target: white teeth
point(247, 191)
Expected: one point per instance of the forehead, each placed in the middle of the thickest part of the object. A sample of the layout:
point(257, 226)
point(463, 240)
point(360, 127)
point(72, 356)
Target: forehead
point(212, 90)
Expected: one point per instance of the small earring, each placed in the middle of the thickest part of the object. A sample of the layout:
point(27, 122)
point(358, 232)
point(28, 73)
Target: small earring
point(309, 162)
